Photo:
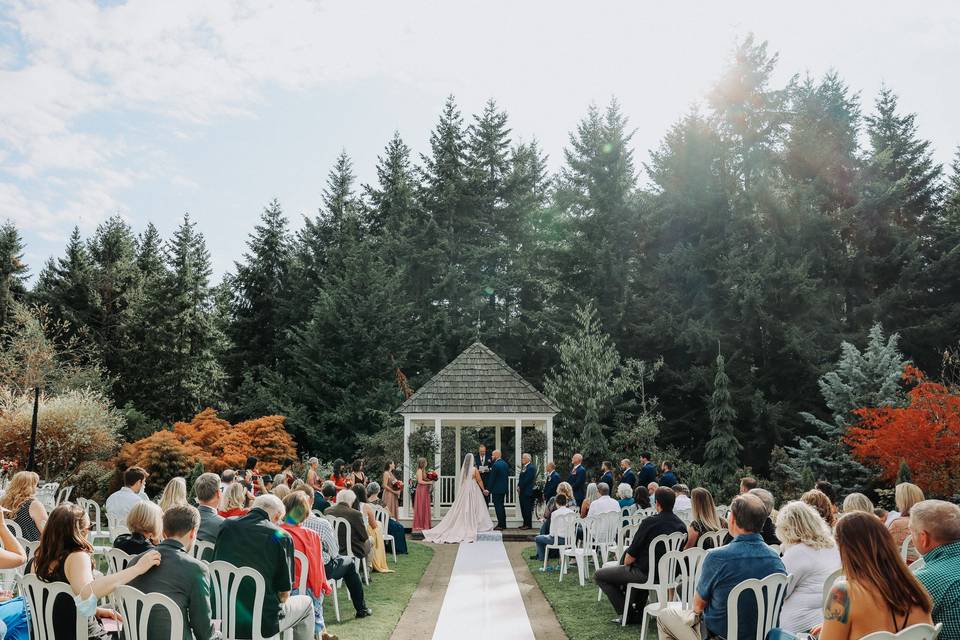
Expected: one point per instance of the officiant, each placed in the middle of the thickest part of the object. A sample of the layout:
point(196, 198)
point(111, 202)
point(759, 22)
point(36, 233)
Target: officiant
point(484, 461)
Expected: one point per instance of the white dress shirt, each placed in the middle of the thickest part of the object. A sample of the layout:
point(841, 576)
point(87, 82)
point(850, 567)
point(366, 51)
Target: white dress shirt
point(121, 502)
point(682, 503)
point(603, 504)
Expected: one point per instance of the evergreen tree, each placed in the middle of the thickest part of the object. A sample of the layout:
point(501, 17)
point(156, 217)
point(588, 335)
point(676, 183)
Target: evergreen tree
point(13, 271)
point(66, 286)
point(721, 454)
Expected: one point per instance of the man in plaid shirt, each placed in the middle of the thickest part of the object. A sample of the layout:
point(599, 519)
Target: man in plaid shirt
point(935, 526)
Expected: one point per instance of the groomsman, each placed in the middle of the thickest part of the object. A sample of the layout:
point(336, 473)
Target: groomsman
point(648, 472)
point(484, 459)
point(578, 478)
point(499, 472)
point(552, 482)
point(606, 474)
point(627, 476)
point(528, 475)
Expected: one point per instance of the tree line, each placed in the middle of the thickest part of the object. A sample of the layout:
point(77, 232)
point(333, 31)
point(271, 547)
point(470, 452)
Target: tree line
point(769, 225)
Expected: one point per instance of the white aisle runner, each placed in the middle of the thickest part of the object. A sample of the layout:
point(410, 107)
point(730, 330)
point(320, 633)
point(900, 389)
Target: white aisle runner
point(483, 598)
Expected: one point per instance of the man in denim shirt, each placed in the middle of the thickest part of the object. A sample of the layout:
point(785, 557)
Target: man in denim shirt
point(746, 557)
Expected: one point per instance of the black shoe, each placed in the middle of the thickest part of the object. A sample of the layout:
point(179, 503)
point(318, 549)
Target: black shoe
point(617, 621)
point(365, 613)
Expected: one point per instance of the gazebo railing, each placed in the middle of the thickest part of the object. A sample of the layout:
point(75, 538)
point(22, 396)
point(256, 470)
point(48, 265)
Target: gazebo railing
point(448, 491)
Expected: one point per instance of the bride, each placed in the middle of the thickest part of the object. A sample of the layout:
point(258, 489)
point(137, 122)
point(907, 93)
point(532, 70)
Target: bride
point(468, 515)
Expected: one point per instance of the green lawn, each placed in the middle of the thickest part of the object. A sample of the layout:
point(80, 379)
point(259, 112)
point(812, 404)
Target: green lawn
point(576, 607)
point(388, 595)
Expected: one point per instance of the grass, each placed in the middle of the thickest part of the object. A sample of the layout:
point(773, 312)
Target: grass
point(388, 595)
point(576, 607)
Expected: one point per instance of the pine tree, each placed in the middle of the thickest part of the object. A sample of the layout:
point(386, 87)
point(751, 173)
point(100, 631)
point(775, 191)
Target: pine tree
point(722, 452)
point(66, 286)
point(13, 271)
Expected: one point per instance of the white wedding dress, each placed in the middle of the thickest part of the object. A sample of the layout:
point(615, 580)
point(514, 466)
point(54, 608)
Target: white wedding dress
point(468, 515)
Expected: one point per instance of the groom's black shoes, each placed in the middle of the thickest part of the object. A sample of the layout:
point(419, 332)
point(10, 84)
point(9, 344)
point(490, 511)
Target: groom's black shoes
point(364, 613)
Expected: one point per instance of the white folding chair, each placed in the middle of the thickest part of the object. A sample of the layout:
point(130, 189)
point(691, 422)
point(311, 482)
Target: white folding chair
point(227, 579)
point(920, 631)
point(63, 495)
point(14, 528)
point(136, 607)
point(202, 551)
point(828, 584)
point(715, 538)
point(917, 564)
point(579, 550)
point(625, 536)
point(685, 566)
point(603, 539)
point(722, 512)
point(40, 597)
point(337, 523)
point(301, 558)
point(117, 560)
point(30, 547)
point(115, 526)
point(906, 548)
point(669, 542)
point(768, 593)
point(562, 527)
point(383, 521)
point(684, 514)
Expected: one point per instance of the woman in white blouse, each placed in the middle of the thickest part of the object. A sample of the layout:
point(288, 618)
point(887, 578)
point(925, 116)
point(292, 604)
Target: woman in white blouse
point(810, 555)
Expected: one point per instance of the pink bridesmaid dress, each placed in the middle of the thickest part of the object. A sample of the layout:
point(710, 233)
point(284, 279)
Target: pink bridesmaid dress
point(421, 508)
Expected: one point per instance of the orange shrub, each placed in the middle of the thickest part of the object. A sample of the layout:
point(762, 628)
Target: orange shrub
point(164, 454)
point(271, 442)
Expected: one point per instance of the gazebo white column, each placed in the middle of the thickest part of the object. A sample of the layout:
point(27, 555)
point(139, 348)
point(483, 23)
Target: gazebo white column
point(517, 452)
point(407, 511)
point(496, 444)
point(457, 459)
point(549, 440)
point(437, 488)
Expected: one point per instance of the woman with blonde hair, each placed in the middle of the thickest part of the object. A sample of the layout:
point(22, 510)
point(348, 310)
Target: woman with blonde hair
point(592, 494)
point(857, 502)
point(906, 495)
point(703, 517)
point(821, 502)
point(174, 494)
point(234, 501)
point(281, 490)
point(564, 489)
point(21, 500)
point(810, 555)
point(145, 523)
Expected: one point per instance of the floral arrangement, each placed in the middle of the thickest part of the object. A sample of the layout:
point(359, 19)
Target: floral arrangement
point(396, 485)
point(433, 476)
point(7, 467)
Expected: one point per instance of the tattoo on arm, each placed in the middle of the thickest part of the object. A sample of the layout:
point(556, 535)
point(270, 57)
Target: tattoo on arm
point(838, 604)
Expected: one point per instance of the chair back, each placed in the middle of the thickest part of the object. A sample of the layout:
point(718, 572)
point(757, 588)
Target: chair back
point(14, 528)
point(905, 547)
point(382, 517)
point(604, 528)
point(117, 560)
point(667, 542)
point(715, 538)
point(768, 593)
point(917, 564)
point(828, 584)
point(136, 607)
point(681, 571)
point(202, 551)
point(93, 512)
point(722, 512)
point(116, 526)
point(684, 514)
point(30, 547)
point(63, 495)
point(226, 579)
point(628, 510)
point(343, 523)
point(40, 597)
point(920, 631)
point(299, 557)
point(563, 526)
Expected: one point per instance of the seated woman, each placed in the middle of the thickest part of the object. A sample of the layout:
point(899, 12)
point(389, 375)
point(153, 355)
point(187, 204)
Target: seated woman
point(174, 494)
point(145, 522)
point(13, 614)
point(592, 494)
point(378, 554)
point(878, 592)
point(906, 495)
point(21, 500)
point(703, 514)
point(821, 502)
point(65, 555)
point(564, 488)
point(857, 502)
point(234, 502)
point(810, 555)
point(307, 542)
point(394, 528)
point(625, 495)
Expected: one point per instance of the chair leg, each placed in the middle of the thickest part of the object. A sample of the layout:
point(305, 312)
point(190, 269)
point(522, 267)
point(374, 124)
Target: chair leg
point(626, 606)
point(643, 625)
point(563, 565)
point(336, 601)
point(546, 554)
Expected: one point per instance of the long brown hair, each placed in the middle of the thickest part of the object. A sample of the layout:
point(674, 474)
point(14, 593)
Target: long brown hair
point(870, 557)
point(64, 534)
point(821, 502)
point(704, 509)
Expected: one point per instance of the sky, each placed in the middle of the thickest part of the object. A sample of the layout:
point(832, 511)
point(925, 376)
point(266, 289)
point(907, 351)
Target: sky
point(151, 109)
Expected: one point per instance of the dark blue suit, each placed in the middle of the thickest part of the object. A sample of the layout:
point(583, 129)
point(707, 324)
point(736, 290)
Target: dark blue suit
point(525, 490)
point(550, 487)
point(648, 474)
point(499, 472)
point(668, 479)
point(608, 478)
point(629, 477)
point(578, 480)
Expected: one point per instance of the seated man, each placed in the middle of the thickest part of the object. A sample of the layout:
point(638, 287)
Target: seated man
point(603, 504)
point(323, 499)
point(360, 542)
point(255, 540)
point(634, 566)
point(748, 556)
point(207, 489)
point(769, 531)
point(651, 495)
point(560, 502)
point(119, 503)
point(935, 526)
point(180, 577)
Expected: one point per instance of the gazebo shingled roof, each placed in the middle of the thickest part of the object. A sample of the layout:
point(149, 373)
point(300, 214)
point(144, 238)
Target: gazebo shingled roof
point(477, 381)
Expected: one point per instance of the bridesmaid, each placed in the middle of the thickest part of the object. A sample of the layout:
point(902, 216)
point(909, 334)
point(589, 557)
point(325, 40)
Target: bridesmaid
point(391, 497)
point(357, 476)
point(421, 503)
point(338, 477)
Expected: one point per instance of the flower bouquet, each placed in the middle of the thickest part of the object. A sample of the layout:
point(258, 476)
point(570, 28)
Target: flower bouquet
point(7, 467)
point(396, 485)
point(433, 476)
point(347, 484)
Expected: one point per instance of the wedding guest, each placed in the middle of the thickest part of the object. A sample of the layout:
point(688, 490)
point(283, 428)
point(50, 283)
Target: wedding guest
point(357, 475)
point(746, 557)
point(648, 471)
point(394, 528)
point(20, 500)
point(233, 503)
point(935, 525)
point(120, 502)
point(857, 502)
point(339, 475)
point(578, 478)
point(877, 591)
point(827, 489)
point(180, 577)
point(175, 493)
point(360, 543)
point(207, 489)
point(810, 555)
point(328, 494)
point(145, 523)
point(603, 503)
point(768, 531)
point(906, 495)
point(313, 478)
point(625, 495)
point(378, 551)
point(13, 613)
point(255, 540)
point(525, 482)
point(65, 555)
point(542, 540)
point(627, 476)
point(683, 502)
point(281, 490)
point(286, 473)
point(391, 496)
point(551, 482)
point(668, 478)
point(563, 489)
point(307, 542)
point(886, 517)
point(747, 484)
point(703, 517)
point(226, 479)
point(606, 472)
point(592, 494)
point(821, 502)
point(652, 493)
point(421, 500)
point(634, 567)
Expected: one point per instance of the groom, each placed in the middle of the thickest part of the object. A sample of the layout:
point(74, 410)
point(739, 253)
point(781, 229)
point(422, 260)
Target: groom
point(499, 472)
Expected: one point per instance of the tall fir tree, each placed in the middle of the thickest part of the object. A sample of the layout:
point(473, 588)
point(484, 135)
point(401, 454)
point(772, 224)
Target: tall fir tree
point(65, 286)
point(13, 271)
point(722, 452)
